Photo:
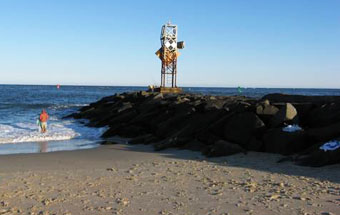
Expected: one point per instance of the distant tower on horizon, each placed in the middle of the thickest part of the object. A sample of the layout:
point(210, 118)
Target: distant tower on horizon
point(168, 54)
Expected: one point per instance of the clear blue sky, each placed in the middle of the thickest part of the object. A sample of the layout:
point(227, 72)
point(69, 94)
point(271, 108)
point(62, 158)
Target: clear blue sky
point(272, 43)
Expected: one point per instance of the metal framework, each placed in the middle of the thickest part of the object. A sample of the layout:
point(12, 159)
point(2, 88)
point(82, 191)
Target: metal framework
point(169, 74)
point(168, 54)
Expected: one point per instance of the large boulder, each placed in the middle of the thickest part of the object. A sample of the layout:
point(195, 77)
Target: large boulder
point(287, 113)
point(267, 110)
point(199, 122)
point(112, 118)
point(285, 143)
point(323, 115)
point(217, 127)
point(242, 127)
point(323, 133)
point(171, 125)
point(223, 148)
point(318, 157)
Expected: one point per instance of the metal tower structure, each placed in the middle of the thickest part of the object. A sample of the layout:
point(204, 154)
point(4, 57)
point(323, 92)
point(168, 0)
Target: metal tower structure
point(168, 54)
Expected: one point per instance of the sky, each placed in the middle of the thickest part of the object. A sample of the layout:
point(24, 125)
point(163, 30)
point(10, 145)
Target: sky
point(249, 43)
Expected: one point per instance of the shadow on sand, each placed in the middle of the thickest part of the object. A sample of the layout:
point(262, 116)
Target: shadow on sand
point(264, 162)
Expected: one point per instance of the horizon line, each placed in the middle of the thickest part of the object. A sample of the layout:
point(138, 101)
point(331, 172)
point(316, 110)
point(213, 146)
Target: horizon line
point(185, 86)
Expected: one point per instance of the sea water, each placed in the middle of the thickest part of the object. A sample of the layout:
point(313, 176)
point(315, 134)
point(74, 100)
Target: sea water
point(20, 106)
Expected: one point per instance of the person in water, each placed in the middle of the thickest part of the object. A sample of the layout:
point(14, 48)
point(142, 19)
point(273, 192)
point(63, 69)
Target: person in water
point(43, 121)
point(39, 123)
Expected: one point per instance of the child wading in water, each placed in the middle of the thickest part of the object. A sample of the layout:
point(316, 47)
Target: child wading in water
point(43, 121)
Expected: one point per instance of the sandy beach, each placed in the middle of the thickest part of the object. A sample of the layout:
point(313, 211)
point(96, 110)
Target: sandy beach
point(124, 179)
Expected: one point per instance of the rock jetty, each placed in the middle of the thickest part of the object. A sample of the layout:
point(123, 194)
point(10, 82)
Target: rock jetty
point(223, 125)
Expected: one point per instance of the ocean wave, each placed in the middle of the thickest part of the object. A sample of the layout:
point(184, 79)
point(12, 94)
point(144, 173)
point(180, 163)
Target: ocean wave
point(39, 106)
point(57, 130)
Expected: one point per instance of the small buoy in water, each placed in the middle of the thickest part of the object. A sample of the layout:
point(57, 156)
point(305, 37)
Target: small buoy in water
point(58, 86)
point(239, 89)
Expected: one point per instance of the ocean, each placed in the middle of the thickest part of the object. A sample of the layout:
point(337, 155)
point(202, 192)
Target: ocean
point(20, 106)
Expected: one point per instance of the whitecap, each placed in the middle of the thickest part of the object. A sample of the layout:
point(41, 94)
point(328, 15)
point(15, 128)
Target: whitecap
point(57, 130)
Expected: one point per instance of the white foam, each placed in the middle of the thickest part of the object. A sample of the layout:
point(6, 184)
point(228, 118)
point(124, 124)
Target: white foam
point(60, 106)
point(57, 130)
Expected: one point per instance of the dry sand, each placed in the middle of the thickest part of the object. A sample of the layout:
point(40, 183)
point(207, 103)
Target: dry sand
point(121, 179)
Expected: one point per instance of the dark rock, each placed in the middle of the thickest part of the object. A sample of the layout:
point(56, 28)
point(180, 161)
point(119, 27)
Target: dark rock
point(223, 148)
point(266, 110)
point(242, 127)
point(108, 142)
point(145, 118)
point(126, 116)
point(286, 114)
point(207, 123)
point(304, 110)
point(195, 145)
point(324, 133)
point(217, 127)
point(255, 145)
point(131, 131)
point(318, 157)
point(199, 122)
point(214, 104)
point(324, 115)
point(278, 97)
point(158, 96)
point(144, 139)
point(238, 107)
point(112, 131)
point(172, 142)
point(145, 93)
point(170, 126)
point(206, 137)
point(285, 143)
point(125, 106)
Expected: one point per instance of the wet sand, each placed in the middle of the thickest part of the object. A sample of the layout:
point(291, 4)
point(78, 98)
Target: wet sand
point(122, 179)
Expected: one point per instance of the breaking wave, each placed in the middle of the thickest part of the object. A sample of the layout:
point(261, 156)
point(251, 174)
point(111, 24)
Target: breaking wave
point(57, 130)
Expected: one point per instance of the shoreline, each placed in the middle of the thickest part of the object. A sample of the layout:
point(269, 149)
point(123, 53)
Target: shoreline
point(126, 179)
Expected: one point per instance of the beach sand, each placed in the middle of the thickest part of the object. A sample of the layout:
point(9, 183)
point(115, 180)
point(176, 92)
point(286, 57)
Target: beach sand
point(124, 179)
